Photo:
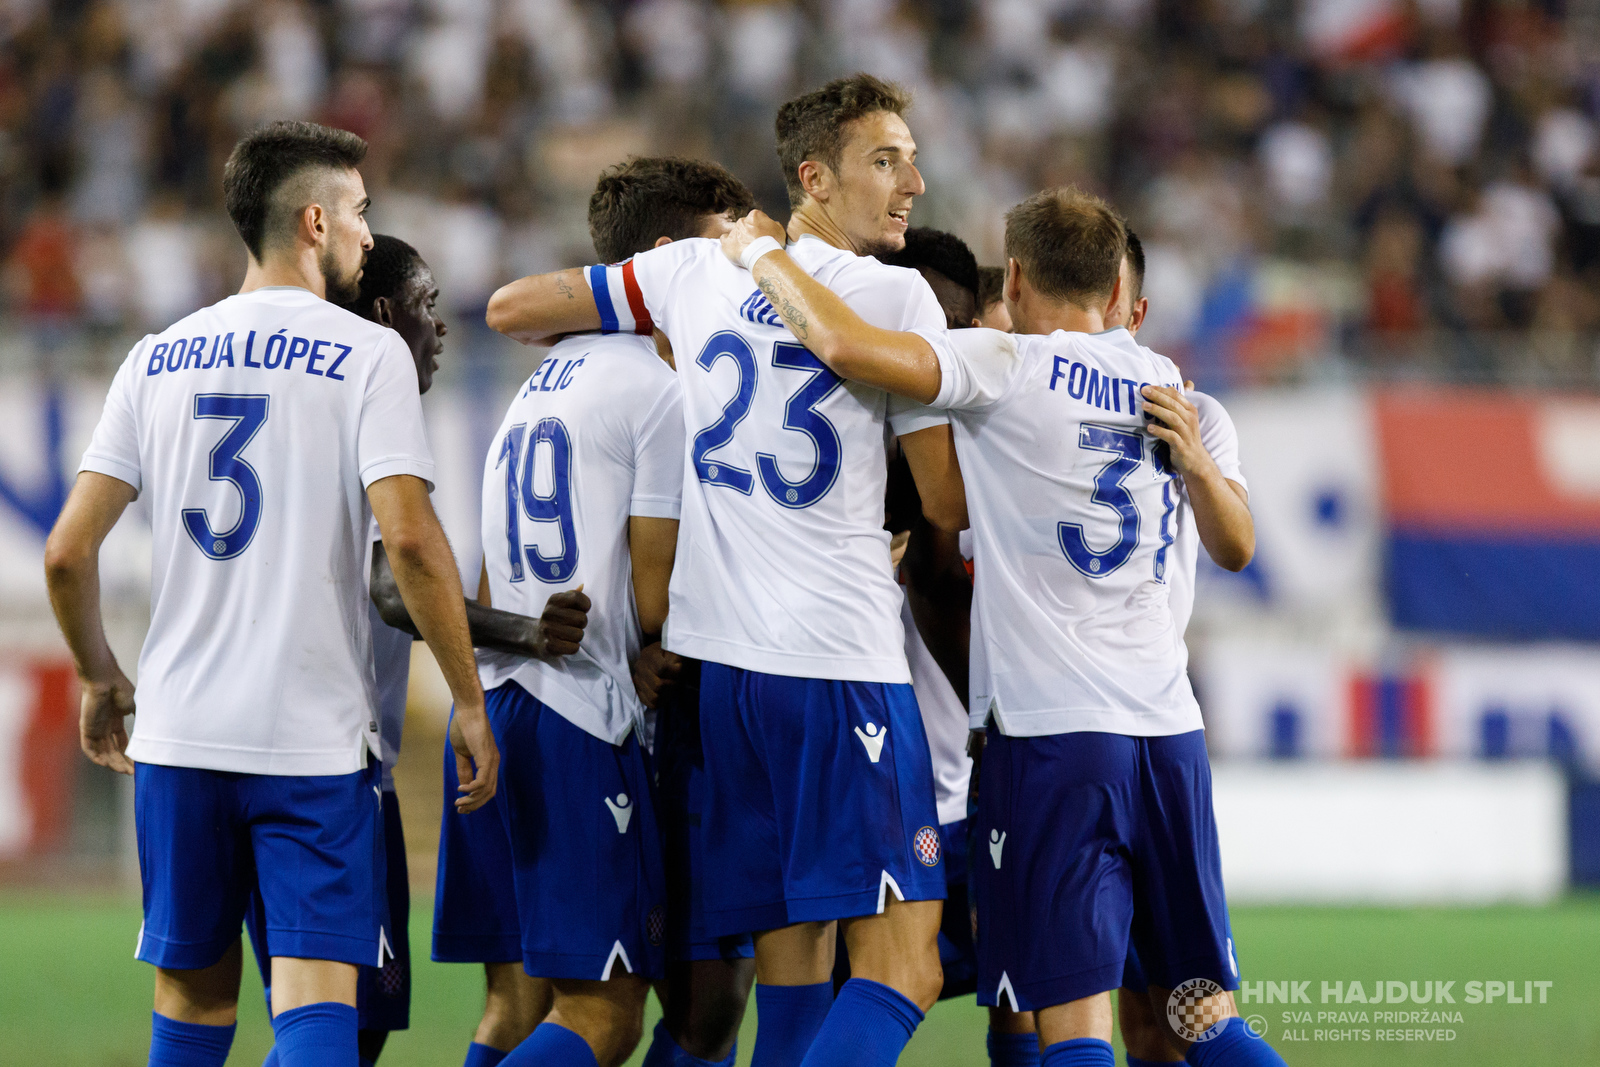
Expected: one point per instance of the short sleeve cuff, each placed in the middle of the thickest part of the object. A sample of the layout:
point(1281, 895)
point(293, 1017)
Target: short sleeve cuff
point(655, 507)
point(916, 417)
point(113, 468)
point(378, 470)
point(1234, 474)
point(939, 341)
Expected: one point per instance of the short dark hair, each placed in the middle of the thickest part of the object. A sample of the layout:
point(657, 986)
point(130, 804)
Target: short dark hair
point(946, 253)
point(812, 126)
point(991, 287)
point(1135, 256)
point(266, 158)
point(1069, 244)
point(389, 268)
point(638, 202)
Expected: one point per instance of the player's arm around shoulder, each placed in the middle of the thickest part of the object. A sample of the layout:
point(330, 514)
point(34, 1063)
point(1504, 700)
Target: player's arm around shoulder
point(541, 307)
point(1221, 508)
point(899, 362)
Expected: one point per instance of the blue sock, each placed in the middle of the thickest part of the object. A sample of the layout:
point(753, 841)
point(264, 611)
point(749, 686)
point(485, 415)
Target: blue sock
point(551, 1045)
point(1134, 1061)
point(316, 1035)
point(175, 1044)
point(1234, 1046)
point(868, 1026)
point(1013, 1050)
point(272, 1055)
point(1079, 1052)
point(789, 1018)
point(479, 1055)
point(666, 1052)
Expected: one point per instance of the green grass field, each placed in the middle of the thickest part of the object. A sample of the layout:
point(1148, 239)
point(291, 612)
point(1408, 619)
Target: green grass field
point(71, 994)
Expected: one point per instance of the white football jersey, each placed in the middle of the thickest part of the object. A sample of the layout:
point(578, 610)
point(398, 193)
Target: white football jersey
point(944, 720)
point(1072, 507)
point(391, 667)
point(1217, 433)
point(255, 426)
point(783, 562)
point(593, 437)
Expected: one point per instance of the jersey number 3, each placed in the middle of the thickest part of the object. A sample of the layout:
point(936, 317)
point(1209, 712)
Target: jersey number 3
point(248, 412)
point(1127, 451)
point(799, 414)
point(520, 457)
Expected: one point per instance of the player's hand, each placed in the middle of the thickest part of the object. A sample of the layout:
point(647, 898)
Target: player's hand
point(1176, 421)
point(746, 230)
point(101, 730)
point(655, 672)
point(477, 758)
point(562, 623)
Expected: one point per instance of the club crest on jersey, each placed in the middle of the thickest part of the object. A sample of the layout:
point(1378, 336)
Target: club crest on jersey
point(872, 739)
point(756, 308)
point(621, 811)
point(926, 846)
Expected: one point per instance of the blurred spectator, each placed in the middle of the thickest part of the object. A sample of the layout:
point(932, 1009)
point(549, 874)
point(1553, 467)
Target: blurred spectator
point(1309, 177)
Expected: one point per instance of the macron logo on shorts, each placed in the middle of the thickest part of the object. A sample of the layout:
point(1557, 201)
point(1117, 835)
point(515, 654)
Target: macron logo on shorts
point(873, 739)
point(997, 844)
point(621, 811)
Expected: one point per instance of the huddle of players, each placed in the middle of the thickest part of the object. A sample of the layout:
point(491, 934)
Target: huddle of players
point(796, 789)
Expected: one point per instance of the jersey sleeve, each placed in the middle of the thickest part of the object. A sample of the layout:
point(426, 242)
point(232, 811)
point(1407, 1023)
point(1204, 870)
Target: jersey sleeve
point(976, 366)
point(658, 458)
point(908, 416)
point(1218, 434)
point(393, 439)
point(631, 296)
point(114, 448)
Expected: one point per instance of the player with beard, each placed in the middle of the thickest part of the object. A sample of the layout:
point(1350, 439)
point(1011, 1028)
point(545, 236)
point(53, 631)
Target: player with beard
point(398, 291)
point(820, 800)
point(267, 430)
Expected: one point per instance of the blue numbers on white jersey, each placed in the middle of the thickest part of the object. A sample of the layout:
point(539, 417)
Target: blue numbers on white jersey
point(720, 432)
point(799, 414)
point(1162, 458)
point(511, 458)
point(1127, 448)
point(248, 412)
point(523, 500)
point(555, 506)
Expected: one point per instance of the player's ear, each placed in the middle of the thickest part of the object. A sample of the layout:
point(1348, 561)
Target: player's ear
point(662, 240)
point(1013, 289)
point(815, 180)
point(383, 311)
point(1138, 314)
point(315, 220)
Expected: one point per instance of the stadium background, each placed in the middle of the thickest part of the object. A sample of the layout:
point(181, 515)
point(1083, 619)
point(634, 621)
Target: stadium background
point(1373, 228)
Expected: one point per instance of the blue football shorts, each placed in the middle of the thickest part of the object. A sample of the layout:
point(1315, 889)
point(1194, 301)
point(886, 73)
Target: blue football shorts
point(312, 845)
point(819, 800)
point(1089, 844)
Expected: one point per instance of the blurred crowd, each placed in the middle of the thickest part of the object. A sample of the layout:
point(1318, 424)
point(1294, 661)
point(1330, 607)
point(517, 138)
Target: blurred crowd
point(1404, 188)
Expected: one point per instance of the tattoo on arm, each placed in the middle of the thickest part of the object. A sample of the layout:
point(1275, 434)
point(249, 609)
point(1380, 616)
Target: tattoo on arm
point(563, 288)
point(791, 314)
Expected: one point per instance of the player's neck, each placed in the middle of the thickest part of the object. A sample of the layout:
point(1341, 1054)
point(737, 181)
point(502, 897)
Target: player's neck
point(811, 219)
point(1036, 315)
point(286, 269)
